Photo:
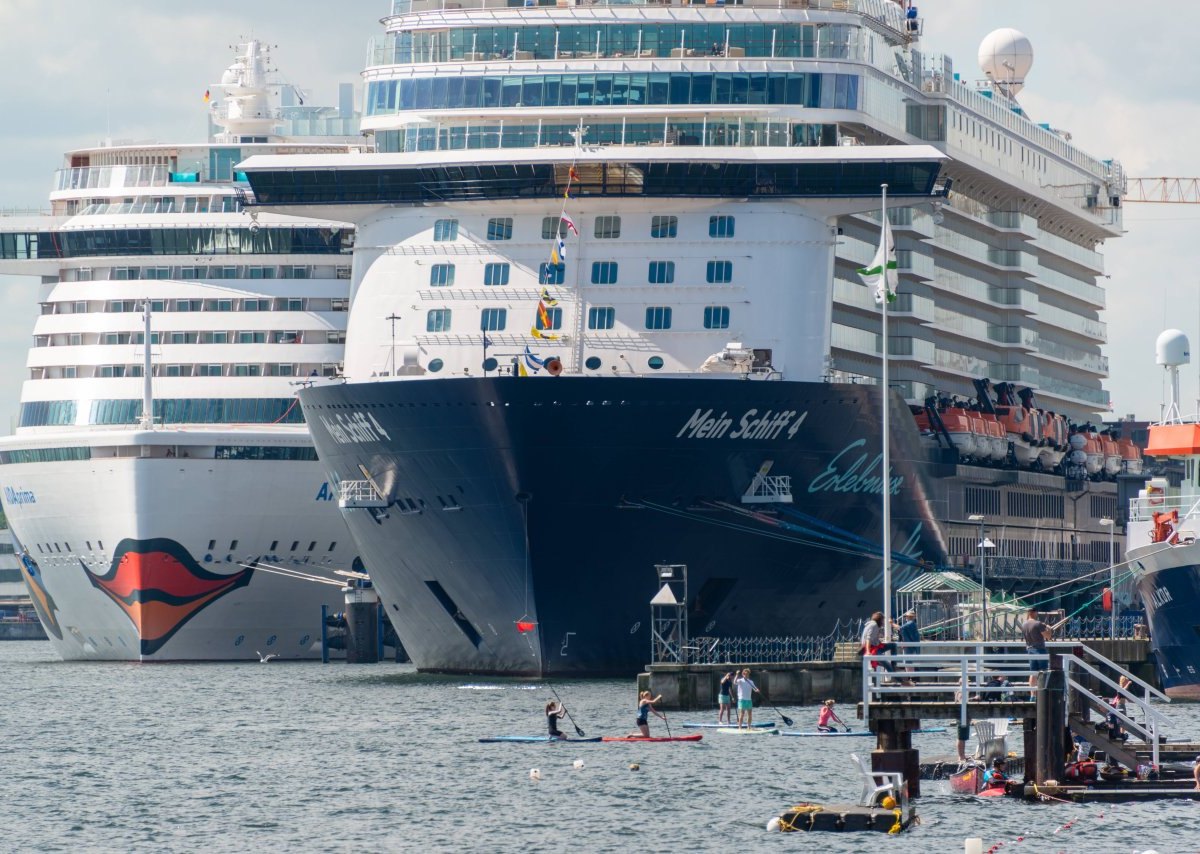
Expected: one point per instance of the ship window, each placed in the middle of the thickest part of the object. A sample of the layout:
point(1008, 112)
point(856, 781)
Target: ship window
point(655, 362)
point(100, 544)
point(602, 317)
point(441, 276)
point(551, 274)
point(295, 545)
point(658, 317)
point(592, 363)
point(333, 545)
point(438, 320)
point(548, 227)
point(662, 272)
point(212, 544)
point(436, 365)
point(89, 545)
point(608, 227)
point(604, 272)
point(664, 226)
point(312, 546)
point(274, 545)
point(68, 545)
point(495, 274)
point(551, 320)
point(233, 544)
point(445, 230)
point(493, 319)
point(500, 228)
point(716, 317)
point(720, 226)
point(719, 272)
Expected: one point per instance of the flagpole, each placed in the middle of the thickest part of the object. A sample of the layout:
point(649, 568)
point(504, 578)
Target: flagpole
point(887, 460)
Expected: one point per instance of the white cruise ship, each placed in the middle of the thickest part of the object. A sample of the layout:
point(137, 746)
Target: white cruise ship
point(661, 209)
point(151, 492)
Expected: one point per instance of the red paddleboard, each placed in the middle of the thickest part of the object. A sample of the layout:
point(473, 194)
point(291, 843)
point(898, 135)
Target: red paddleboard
point(695, 737)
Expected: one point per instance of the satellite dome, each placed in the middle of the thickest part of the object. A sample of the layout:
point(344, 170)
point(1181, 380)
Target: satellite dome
point(1171, 348)
point(1005, 55)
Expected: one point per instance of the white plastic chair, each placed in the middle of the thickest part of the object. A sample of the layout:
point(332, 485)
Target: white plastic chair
point(873, 790)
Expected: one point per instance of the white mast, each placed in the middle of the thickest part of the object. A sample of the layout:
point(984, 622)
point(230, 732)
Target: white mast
point(887, 460)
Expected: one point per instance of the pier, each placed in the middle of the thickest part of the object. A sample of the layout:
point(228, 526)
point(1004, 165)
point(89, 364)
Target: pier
point(21, 630)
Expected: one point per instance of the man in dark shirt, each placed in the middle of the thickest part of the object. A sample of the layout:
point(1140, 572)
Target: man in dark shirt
point(1036, 634)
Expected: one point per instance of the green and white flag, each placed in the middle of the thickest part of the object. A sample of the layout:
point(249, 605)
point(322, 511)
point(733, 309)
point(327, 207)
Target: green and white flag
point(882, 271)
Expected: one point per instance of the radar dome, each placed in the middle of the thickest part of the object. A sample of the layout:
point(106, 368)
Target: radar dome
point(1006, 57)
point(1171, 348)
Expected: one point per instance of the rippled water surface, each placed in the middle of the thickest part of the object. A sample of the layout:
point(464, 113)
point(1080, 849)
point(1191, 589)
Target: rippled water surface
point(310, 757)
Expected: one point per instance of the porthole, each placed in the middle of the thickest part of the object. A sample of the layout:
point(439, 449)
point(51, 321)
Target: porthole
point(655, 362)
point(592, 363)
point(489, 364)
point(436, 365)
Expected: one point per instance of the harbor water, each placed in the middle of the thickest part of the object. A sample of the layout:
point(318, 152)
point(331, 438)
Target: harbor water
point(310, 757)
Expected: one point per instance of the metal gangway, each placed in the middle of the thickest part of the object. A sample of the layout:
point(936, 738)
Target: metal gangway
point(953, 679)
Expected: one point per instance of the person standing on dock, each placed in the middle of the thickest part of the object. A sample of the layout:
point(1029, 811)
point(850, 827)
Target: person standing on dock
point(745, 692)
point(872, 641)
point(725, 700)
point(1196, 772)
point(910, 637)
point(555, 711)
point(1036, 634)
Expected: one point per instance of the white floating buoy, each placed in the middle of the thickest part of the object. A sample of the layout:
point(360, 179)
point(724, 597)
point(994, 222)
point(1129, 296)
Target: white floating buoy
point(577, 764)
point(973, 845)
point(633, 766)
point(535, 774)
point(774, 825)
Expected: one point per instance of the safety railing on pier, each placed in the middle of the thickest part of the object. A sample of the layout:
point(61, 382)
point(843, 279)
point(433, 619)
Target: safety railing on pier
point(771, 649)
point(956, 675)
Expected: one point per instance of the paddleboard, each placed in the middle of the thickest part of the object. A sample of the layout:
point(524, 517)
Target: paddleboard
point(732, 730)
point(857, 732)
point(695, 737)
point(698, 725)
point(537, 739)
point(993, 792)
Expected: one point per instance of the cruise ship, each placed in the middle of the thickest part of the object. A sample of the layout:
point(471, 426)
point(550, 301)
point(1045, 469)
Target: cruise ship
point(607, 313)
point(161, 485)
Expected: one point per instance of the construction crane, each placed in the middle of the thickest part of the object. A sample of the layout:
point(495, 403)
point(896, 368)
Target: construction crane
point(1171, 191)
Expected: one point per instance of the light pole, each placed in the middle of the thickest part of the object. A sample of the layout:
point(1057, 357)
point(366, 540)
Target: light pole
point(1112, 579)
point(393, 318)
point(984, 543)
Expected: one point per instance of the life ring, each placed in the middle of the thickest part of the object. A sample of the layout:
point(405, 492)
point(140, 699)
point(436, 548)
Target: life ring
point(554, 366)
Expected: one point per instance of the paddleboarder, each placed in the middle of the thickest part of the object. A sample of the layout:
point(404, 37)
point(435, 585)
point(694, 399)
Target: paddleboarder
point(725, 699)
point(745, 693)
point(645, 707)
point(555, 711)
point(826, 715)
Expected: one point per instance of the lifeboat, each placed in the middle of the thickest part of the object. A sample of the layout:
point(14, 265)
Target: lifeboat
point(1094, 451)
point(1131, 456)
point(1112, 455)
point(997, 441)
point(983, 440)
point(1022, 432)
point(957, 422)
point(1055, 434)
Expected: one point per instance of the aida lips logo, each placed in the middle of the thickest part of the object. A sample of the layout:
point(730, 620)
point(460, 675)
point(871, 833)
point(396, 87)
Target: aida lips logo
point(160, 587)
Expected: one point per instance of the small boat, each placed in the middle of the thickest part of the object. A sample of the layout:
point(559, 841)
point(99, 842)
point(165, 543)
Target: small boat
point(698, 725)
point(854, 732)
point(992, 792)
point(968, 780)
point(694, 737)
point(536, 739)
point(732, 730)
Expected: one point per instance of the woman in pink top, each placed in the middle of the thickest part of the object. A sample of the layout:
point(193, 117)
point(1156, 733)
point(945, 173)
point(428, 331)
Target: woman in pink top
point(826, 715)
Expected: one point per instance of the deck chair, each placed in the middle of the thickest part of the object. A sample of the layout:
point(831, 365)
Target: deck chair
point(872, 789)
point(991, 738)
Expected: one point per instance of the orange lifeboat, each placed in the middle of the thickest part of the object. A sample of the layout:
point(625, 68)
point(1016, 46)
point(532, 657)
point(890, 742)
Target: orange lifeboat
point(1054, 442)
point(997, 441)
point(957, 422)
point(1020, 430)
point(1131, 456)
point(1112, 456)
point(1095, 453)
point(983, 441)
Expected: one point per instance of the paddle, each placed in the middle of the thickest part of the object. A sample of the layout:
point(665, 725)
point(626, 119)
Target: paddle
point(578, 731)
point(668, 723)
point(786, 720)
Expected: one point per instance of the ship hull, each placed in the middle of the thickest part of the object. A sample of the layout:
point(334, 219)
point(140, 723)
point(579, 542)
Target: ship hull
point(163, 559)
point(526, 517)
point(1168, 584)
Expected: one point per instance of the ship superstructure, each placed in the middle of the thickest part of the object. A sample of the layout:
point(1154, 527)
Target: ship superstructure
point(661, 209)
point(160, 459)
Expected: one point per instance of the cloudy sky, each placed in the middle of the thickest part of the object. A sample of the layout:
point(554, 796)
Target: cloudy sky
point(136, 69)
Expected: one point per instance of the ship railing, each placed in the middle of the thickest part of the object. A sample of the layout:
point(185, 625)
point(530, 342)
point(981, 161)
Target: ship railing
point(957, 674)
point(359, 493)
point(1143, 509)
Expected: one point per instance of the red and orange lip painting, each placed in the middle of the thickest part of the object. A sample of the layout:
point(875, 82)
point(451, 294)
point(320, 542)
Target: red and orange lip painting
point(160, 587)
